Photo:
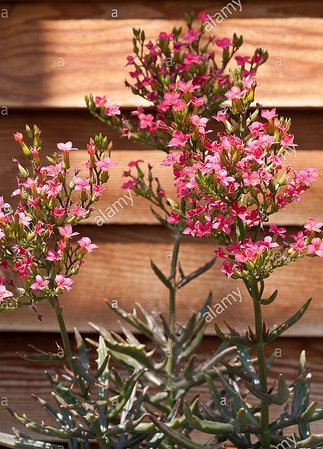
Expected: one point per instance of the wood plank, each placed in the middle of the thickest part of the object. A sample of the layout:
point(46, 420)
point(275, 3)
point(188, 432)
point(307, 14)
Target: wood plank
point(120, 207)
point(19, 379)
point(120, 269)
point(61, 124)
point(65, 63)
point(83, 9)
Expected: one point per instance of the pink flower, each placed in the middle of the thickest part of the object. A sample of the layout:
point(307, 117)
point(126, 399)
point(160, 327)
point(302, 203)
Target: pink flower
point(128, 185)
point(179, 139)
point(86, 244)
point(235, 93)
point(112, 109)
point(146, 120)
point(98, 189)
point(18, 137)
point(63, 283)
point(90, 149)
point(40, 284)
point(105, 164)
point(23, 219)
point(186, 86)
point(68, 146)
point(101, 101)
point(4, 293)
point(135, 163)
point(82, 184)
point(199, 121)
point(274, 229)
point(269, 114)
point(224, 43)
point(313, 225)
point(241, 60)
point(67, 231)
point(228, 269)
point(192, 35)
point(221, 116)
point(53, 256)
point(315, 247)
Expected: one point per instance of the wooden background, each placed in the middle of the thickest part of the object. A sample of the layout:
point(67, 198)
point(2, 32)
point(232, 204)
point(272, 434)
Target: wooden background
point(54, 53)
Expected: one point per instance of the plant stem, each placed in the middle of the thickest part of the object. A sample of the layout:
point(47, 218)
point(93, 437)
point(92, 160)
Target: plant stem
point(68, 353)
point(265, 431)
point(172, 314)
point(172, 277)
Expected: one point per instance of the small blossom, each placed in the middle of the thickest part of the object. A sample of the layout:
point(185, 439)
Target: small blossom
point(40, 284)
point(63, 283)
point(105, 164)
point(67, 231)
point(86, 244)
point(66, 147)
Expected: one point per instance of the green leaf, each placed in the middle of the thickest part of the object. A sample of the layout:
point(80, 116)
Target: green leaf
point(269, 300)
point(24, 443)
point(81, 348)
point(164, 279)
point(196, 273)
point(177, 437)
point(276, 332)
point(125, 393)
point(205, 426)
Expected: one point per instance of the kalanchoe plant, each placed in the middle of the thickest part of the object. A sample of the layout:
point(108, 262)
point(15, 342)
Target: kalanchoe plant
point(39, 257)
point(196, 64)
point(231, 186)
point(191, 59)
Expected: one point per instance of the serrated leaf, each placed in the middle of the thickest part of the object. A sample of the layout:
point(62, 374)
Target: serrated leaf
point(205, 426)
point(276, 332)
point(194, 274)
point(81, 348)
point(22, 443)
point(164, 279)
point(177, 437)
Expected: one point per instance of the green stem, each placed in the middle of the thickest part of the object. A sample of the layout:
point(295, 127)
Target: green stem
point(68, 353)
point(172, 277)
point(172, 314)
point(265, 431)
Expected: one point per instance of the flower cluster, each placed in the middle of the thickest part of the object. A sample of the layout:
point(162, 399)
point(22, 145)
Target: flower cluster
point(192, 60)
point(37, 254)
point(233, 184)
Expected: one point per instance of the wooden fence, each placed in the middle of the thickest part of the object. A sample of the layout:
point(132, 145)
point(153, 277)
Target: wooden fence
point(54, 53)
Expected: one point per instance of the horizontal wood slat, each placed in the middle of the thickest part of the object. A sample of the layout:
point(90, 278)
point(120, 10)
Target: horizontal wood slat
point(19, 379)
point(127, 9)
point(120, 270)
point(118, 206)
point(78, 125)
point(67, 59)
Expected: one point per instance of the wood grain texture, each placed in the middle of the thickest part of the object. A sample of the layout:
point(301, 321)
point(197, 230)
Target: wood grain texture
point(68, 57)
point(120, 270)
point(127, 9)
point(19, 379)
point(118, 206)
point(62, 124)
